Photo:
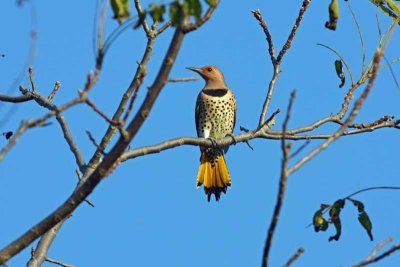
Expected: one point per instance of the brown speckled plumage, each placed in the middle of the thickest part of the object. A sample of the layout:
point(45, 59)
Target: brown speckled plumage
point(215, 119)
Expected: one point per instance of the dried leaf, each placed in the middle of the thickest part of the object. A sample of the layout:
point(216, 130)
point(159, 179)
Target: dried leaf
point(358, 204)
point(334, 213)
point(340, 72)
point(319, 222)
point(363, 218)
point(333, 15)
point(120, 9)
point(157, 12)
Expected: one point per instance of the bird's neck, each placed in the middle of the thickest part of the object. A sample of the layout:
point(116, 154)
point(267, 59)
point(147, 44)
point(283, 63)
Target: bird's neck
point(215, 85)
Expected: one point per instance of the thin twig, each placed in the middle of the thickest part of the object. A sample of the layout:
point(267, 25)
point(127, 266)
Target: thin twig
point(15, 99)
point(91, 138)
point(294, 257)
point(101, 113)
point(34, 89)
point(139, 10)
point(164, 27)
point(278, 61)
point(130, 107)
point(372, 258)
point(303, 146)
point(353, 114)
point(55, 89)
point(177, 80)
point(58, 262)
point(373, 188)
point(263, 24)
point(289, 40)
point(342, 59)
point(360, 36)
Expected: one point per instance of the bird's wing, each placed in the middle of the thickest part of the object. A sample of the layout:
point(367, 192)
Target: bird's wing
point(197, 111)
point(234, 115)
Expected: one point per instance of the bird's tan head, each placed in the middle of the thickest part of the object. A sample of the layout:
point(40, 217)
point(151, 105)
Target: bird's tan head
point(212, 75)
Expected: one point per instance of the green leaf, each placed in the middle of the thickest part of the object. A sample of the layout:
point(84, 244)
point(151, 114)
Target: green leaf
point(334, 213)
point(157, 12)
point(363, 218)
point(358, 204)
point(340, 72)
point(319, 222)
point(211, 3)
point(176, 13)
point(192, 7)
point(393, 6)
point(120, 9)
point(333, 15)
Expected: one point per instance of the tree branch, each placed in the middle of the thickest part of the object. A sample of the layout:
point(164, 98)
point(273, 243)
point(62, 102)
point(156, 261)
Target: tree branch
point(353, 114)
point(108, 164)
point(298, 253)
point(282, 185)
point(373, 258)
point(276, 63)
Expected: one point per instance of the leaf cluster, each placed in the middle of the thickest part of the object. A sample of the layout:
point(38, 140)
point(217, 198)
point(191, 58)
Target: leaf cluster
point(321, 223)
point(175, 11)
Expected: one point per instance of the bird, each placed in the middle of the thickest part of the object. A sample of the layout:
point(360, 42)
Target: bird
point(215, 117)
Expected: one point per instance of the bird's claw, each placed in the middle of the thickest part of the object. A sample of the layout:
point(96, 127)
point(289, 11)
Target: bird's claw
point(214, 143)
point(233, 138)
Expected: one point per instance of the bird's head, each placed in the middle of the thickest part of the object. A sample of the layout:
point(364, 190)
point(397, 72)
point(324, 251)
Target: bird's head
point(212, 75)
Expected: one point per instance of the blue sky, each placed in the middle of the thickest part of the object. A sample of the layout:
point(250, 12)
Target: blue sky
point(148, 212)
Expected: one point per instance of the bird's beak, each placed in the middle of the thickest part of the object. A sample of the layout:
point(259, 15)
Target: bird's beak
point(198, 70)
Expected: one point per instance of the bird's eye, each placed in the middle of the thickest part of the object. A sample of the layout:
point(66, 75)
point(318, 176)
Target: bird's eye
point(209, 69)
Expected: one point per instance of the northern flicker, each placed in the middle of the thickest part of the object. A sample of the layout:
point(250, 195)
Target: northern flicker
point(215, 118)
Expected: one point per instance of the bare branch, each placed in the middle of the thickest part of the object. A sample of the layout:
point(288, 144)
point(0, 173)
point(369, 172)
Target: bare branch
point(278, 61)
point(289, 40)
point(15, 99)
point(263, 24)
point(294, 257)
point(58, 262)
point(372, 258)
point(282, 185)
point(39, 255)
point(245, 137)
point(295, 153)
point(110, 161)
point(139, 10)
point(55, 89)
point(164, 27)
point(140, 74)
point(353, 114)
point(177, 80)
point(98, 111)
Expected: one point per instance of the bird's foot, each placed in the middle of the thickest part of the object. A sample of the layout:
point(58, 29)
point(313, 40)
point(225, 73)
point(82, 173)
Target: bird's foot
point(214, 143)
point(233, 138)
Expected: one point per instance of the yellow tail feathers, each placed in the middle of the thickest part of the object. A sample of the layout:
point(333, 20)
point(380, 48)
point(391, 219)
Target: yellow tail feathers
point(215, 177)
